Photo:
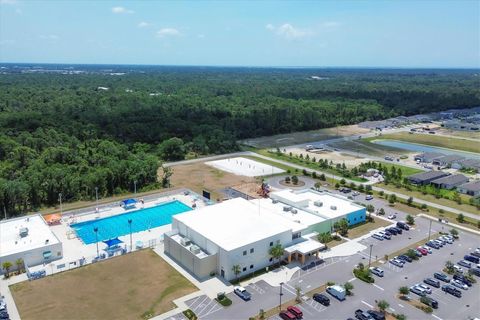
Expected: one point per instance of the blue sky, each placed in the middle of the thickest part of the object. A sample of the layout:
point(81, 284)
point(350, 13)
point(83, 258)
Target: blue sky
point(252, 33)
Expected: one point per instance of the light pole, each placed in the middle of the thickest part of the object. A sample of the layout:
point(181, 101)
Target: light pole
point(370, 255)
point(96, 237)
point(96, 197)
point(130, 225)
point(60, 199)
point(281, 294)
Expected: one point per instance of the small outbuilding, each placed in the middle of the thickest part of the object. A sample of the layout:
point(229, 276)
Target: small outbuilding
point(470, 188)
point(425, 178)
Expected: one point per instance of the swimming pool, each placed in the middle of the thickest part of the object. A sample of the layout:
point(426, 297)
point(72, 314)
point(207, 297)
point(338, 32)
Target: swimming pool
point(118, 225)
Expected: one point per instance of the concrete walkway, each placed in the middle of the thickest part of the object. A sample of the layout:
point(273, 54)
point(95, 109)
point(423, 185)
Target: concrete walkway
point(5, 291)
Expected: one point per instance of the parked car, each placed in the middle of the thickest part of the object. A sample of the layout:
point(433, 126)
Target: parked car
point(424, 287)
point(376, 271)
point(462, 279)
point(337, 291)
point(452, 290)
point(459, 284)
point(355, 193)
point(418, 291)
point(447, 239)
point(432, 282)
point(432, 244)
point(441, 276)
point(404, 257)
point(422, 251)
point(295, 311)
point(322, 299)
point(377, 236)
point(475, 254)
point(457, 268)
point(369, 197)
point(430, 302)
point(403, 225)
point(362, 315)
point(438, 242)
point(391, 216)
point(396, 262)
point(399, 230)
point(471, 258)
point(285, 315)
point(418, 253)
point(475, 271)
point(376, 315)
point(465, 264)
point(429, 250)
point(242, 293)
point(387, 236)
point(392, 231)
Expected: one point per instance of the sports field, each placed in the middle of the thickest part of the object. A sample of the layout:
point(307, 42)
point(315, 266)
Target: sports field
point(132, 286)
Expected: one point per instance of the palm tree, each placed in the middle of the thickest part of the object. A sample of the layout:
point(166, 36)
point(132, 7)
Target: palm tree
point(449, 266)
point(383, 305)
point(6, 266)
point(236, 269)
point(403, 290)
point(298, 294)
point(19, 263)
point(276, 252)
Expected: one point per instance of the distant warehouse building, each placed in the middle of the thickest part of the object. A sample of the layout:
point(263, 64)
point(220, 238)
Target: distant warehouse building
point(466, 164)
point(471, 188)
point(446, 161)
point(239, 232)
point(30, 239)
point(450, 182)
point(425, 178)
point(427, 157)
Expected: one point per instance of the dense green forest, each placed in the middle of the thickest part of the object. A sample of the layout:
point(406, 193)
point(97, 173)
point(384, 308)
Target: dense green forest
point(68, 133)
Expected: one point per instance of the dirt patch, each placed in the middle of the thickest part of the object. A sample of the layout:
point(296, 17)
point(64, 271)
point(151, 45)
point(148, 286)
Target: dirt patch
point(335, 156)
point(364, 228)
point(299, 184)
point(199, 176)
point(126, 287)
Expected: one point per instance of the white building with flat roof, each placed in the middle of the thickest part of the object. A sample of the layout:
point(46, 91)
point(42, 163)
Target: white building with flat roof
point(28, 238)
point(242, 232)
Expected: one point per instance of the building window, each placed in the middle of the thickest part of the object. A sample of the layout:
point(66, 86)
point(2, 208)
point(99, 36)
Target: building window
point(251, 266)
point(251, 250)
point(271, 244)
point(245, 252)
point(244, 269)
point(296, 235)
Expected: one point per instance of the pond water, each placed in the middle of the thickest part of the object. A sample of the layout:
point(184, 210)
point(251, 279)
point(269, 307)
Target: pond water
point(414, 147)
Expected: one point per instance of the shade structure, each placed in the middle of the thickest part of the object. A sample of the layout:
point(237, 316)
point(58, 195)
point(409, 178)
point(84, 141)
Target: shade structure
point(112, 242)
point(128, 202)
point(52, 219)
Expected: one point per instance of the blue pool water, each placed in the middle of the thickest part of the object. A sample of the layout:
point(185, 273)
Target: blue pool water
point(142, 220)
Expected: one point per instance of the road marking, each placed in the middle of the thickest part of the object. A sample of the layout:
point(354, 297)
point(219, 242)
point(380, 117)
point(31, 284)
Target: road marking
point(352, 279)
point(300, 281)
point(309, 286)
point(303, 309)
point(400, 305)
point(378, 287)
point(369, 305)
point(436, 317)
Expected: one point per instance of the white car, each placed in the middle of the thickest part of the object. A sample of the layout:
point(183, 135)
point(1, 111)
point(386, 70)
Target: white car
point(391, 216)
point(457, 268)
point(459, 284)
point(427, 289)
point(447, 239)
point(428, 249)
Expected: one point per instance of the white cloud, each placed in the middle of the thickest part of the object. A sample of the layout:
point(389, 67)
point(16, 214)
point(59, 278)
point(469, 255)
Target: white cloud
point(270, 27)
point(121, 10)
point(144, 24)
point(167, 32)
point(290, 32)
point(8, 1)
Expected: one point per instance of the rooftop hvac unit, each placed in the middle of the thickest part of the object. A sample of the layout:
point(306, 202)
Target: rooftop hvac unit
point(274, 201)
point(23, 232)
point(294, 211)
point(185, 242)
point(287, 208)
point(318, 203)
point(333, 207)
point(195, 249)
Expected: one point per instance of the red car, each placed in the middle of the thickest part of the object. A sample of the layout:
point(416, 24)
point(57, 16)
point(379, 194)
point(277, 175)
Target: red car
point(285, 315)
point(422, 251)
point(295, 311)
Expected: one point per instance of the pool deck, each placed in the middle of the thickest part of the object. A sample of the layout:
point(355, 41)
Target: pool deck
point(74, 248)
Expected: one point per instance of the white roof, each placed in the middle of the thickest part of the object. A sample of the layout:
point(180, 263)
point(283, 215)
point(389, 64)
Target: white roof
point(38, 234)
point(333, 206)
point(305, 247)
point(234, 223)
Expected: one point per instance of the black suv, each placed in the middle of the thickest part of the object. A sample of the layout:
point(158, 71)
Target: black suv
point(462, 278)
point(377, 315)
point(403, 225)
point(392, 231)
point(452, 290)
point(362, 315)
point(432, 282)
point(321, 298)
point(405, 258)
point(429, 302)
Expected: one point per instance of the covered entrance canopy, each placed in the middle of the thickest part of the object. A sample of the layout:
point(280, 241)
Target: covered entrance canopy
point(52, 219)
point(113, 242)
point(303, 249)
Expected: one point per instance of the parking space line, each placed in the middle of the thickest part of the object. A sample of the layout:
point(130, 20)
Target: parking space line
point(378, 287)
point(204, 307)
point(401, 305)
point(436, 317)
point(201, 302)
point(352, 279)
point(367, 304)
point(304, 309)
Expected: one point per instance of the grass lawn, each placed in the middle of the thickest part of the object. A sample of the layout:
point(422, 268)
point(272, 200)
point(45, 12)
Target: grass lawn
point(127, 287)
point(428, 197)
point(406, 171)
point(366, 227)
point(433, 140)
